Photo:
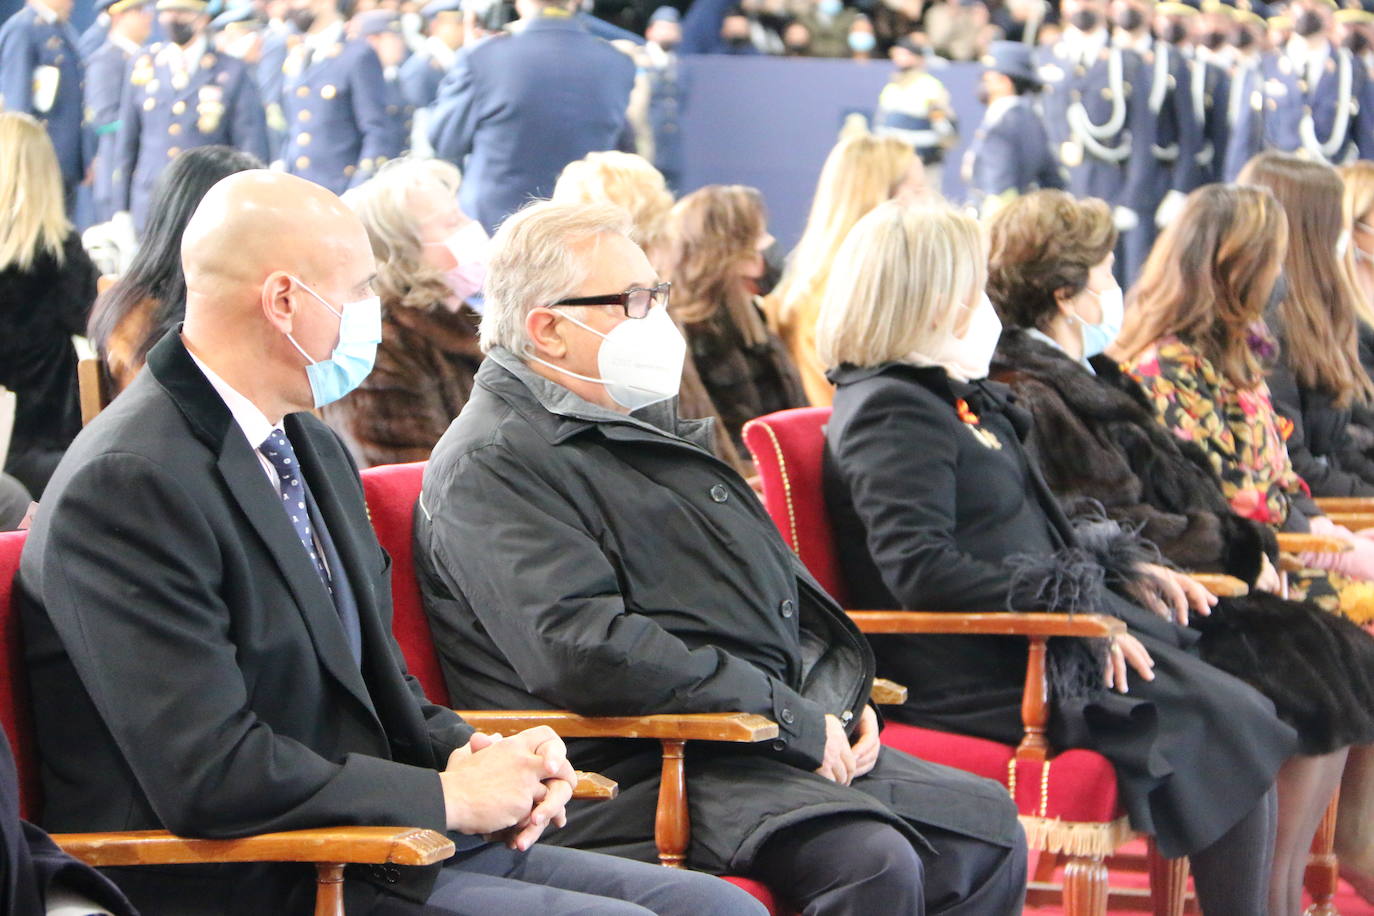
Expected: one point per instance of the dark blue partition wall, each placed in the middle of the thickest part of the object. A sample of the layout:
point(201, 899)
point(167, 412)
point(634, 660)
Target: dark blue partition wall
point(768, 122)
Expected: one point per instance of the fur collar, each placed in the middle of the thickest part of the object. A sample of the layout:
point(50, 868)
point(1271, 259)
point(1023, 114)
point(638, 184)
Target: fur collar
point(1111, 396)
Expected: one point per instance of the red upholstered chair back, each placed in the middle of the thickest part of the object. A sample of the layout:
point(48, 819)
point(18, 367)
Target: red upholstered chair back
point(15, 713)
point(392, 491)
point(787, 448)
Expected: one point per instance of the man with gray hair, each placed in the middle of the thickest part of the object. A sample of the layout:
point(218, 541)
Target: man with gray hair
point(578, 546)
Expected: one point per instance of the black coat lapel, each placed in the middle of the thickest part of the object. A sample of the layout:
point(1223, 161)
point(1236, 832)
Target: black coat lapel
point(244, 477)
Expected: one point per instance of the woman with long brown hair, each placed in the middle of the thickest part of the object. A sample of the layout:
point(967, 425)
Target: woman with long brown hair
point(1317, 376)
point(714, 258)
point(1190, 341)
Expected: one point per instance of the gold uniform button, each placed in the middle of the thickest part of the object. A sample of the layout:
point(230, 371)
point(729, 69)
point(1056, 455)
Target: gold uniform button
point(303, 139)
point(303, 114)
point(381, 161)
point(174, 129)
point(302, 162)
point(179, 108)
point(149, 104)
point(365, 164)
point(173, 152)
point(1106, 93)
point(349, 170)
point(303, 91)
point(328, 92)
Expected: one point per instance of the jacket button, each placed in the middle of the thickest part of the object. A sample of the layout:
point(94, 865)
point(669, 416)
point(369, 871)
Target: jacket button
point(787, 607)
point(779, 745)
point(786, 716)
point(719, 493)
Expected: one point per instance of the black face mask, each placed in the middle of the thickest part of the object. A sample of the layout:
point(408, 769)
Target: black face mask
point(1214, 41)
point(302, 19)
point(1244, 39)
point(797, 50)
point(1085, 20)
point(668, 45)
point(180, 33)
point(1356, 42)
point(983, 96)
point(738, 43)
point(1309, 22)
point(1130, 19)
point(1173, 33)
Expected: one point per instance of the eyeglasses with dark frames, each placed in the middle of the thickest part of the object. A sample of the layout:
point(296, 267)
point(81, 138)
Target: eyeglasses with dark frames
point(636, 301)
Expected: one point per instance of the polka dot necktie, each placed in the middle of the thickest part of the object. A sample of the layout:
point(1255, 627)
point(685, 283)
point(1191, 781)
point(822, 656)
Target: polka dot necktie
point(278, 450)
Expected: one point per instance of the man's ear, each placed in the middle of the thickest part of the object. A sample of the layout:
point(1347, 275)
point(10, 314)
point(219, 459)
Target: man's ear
point(279, 299)
point(546, 333)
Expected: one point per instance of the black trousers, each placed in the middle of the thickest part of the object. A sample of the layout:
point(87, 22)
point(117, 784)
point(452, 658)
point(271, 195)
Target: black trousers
point(851, 865)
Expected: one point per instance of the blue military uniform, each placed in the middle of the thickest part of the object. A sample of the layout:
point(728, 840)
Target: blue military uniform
point(269, 72)
point(334, 100)
point(1210, 87)
point(106, 72)
point(1333, 106)
point(41, 74)
point(424, 71)
point(176, 100)
point(1010, 153)
point(94, 37)
point(1097, 112)
point(1264, 110)
point(517, 108)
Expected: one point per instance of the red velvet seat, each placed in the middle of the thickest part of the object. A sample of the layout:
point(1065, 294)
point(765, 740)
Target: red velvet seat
point(392, 492)
point(1068, 803)
point(14, 688)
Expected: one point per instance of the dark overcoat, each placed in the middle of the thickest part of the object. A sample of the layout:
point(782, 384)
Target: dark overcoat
point(189, 669)
point(936, 506)
point(574, 557)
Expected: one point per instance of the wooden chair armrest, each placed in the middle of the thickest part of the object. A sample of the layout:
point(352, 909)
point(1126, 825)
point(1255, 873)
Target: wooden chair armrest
point(1221, 585)
point(1293, 542)
point(595, 786)
point(887, 693)
point(1355, 521)
point(362, 845)
point(1330, 504)
point(710, 726)
point(951, 623)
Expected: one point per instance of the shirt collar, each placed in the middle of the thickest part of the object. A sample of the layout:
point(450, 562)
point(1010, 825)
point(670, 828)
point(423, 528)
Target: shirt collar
point(44, 12)
point(254, 423)
point(329, 35)
point(998, 108)
point(128, 46)
point(1037, 334)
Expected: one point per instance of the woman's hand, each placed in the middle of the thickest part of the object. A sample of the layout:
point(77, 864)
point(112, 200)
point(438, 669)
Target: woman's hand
point(1268, 579)
point(1127, 650)
point(1174, 594)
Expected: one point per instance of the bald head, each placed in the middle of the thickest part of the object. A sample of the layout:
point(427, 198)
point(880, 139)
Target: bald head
point(267, 256)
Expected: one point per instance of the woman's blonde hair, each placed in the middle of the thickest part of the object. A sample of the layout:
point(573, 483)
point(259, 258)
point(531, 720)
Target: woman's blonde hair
point(628, 181)
point(32, 202)
point(896, 281)
point(1208, 278)
point(386, 206)
point(861, 172)
point(712, 232)
point(1358, 179)
point(1318, 316)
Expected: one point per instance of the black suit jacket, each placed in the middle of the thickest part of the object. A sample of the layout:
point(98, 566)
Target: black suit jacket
point(189, 670)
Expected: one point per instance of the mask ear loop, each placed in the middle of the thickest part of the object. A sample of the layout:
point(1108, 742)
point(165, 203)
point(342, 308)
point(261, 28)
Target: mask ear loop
point(339, 315)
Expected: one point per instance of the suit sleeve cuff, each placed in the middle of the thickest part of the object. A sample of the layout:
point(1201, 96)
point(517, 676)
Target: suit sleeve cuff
point(801, 728)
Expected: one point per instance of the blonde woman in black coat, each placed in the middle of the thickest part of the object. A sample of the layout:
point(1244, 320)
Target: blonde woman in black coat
point(965, 522)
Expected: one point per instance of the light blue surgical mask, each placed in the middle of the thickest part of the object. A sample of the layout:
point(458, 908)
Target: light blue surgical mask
point(1098, 337)
point(360, 331)
point(830, 8)
point(862, 42)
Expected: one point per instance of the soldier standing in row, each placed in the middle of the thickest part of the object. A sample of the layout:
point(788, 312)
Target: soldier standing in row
point(334, 102)
point(181, 94)
point(914, 106)
point(130, 24)
point(41, 74)
point(1335, 113)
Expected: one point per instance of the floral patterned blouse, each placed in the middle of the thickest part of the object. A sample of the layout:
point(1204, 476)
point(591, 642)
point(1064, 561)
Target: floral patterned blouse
point(1238, 429)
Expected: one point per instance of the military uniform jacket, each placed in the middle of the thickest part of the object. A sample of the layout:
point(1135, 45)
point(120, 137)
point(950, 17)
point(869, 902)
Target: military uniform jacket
point(1261, 110)
point(165, 111)
point(515, 109)
point(574, 557)
point(342, 121)
point(422, 73)
point(41, 74)
point(1336, 121)
point(106, 72)
point(1209, 86)
point(1011, 151)
point(1099, 122)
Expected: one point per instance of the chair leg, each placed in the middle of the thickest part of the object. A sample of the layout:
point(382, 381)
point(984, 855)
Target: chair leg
point(1085, 886)
point(329, 878)
point(1168, 883)
point(1323, 868)
point(672, 826)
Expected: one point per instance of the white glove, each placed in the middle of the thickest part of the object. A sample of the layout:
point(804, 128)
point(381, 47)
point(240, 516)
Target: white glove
point(1124, 218)
point(1169, 208)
